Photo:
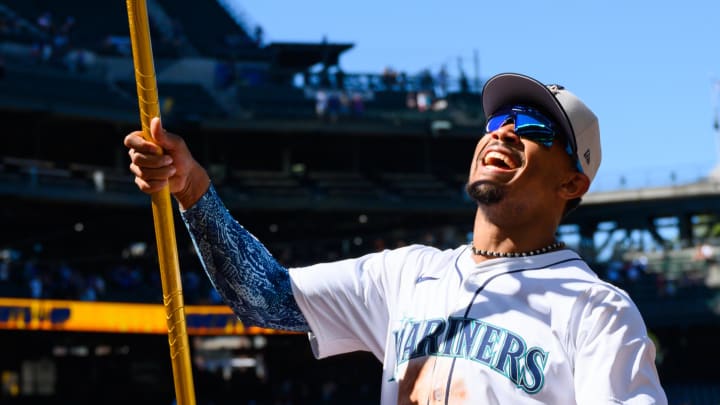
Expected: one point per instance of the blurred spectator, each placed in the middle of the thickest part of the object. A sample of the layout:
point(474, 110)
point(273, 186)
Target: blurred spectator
point(61, 36)
point(637, 269)
point(321, 103)
point(324, 76)
point(402, 81)
point(119, 44)
point(389, 78)
point(4, 271)
point(98, 284)
point(424, 101)
point(79, 60)
point(670, 287)
point(259, 36)
point(98, 177)
point(88, 294)
point(357, 105)
point(614, 272)
point(35, 286)
point(712, 277)
point(464, 83)
point(411, 101)
point(334, 106)
point(42, 51)
point(68, 25)
point(45, 21)
point(427, 83)
point(705, 253)
point(442, 82)
point(339, 79)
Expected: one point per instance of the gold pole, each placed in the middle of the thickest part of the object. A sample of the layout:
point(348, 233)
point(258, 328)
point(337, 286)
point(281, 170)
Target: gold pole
point(162, 208)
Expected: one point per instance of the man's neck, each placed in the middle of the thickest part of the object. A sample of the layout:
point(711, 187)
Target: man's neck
point(511, 235)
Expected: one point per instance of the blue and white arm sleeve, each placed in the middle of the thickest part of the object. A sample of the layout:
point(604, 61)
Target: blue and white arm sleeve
point(255, 286)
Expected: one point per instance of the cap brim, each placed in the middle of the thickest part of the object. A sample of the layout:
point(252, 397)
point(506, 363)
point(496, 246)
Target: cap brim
point(512, 88)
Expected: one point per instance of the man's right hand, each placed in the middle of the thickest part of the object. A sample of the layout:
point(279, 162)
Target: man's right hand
point(165, 161)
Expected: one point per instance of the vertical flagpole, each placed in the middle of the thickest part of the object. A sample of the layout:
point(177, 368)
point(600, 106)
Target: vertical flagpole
point(162, 208)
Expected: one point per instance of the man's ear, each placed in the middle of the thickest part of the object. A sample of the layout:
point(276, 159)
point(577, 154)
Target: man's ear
point(575, 186)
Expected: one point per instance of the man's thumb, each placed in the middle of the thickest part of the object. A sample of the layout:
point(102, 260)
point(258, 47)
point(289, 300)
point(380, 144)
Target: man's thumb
point(158, 133)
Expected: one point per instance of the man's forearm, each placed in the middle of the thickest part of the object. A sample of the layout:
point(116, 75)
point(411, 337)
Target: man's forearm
point(249, 279)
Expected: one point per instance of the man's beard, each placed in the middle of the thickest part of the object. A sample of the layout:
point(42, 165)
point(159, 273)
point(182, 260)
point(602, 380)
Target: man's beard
point(485, 193)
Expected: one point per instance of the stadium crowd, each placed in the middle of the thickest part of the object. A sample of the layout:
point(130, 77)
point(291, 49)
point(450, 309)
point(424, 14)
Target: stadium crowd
point(133, 275)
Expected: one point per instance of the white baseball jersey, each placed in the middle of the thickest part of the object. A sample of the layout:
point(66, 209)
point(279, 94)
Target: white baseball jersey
point(537, 330)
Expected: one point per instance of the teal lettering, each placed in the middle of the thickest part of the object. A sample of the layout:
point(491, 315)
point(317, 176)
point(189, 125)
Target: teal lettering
point(486, 350)
point(466, 339)
point(508, 360)
point(409, 346)
point(429, 343)
point(533, 377)
point(454, 324)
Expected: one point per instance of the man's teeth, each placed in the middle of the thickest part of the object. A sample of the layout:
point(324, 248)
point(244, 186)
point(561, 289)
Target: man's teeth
point(494, 158)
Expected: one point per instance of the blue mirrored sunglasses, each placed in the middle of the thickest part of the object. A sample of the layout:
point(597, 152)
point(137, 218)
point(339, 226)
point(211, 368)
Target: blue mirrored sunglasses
point(530, 124)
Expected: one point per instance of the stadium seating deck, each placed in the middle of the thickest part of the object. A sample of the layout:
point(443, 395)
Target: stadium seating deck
point(58, 89)
point(347, 184)
point(418, 185)
point(264, 183)
point(189, 101)
point(94, 20)
point(212, 40)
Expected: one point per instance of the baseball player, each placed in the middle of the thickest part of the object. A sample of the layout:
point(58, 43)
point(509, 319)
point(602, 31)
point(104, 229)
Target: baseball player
point(514, 317)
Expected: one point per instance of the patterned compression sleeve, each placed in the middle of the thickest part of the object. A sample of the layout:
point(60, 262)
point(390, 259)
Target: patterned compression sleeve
point(255, 286)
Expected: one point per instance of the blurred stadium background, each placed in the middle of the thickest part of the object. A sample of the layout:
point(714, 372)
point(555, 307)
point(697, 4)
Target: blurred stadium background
point(319, 163)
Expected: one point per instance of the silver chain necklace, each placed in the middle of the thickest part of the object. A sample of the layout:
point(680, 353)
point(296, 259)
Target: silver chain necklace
point(553, 246)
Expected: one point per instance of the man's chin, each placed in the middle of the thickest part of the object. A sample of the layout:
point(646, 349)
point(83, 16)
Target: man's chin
point(485, 193)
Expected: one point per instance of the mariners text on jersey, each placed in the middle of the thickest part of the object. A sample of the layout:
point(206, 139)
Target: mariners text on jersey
point(473, 340)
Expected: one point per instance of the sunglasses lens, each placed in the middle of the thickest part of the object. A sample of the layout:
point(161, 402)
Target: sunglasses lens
point(531, 125)
point(496, 121)
point(525, 122)
point(527, 125)
point(531, 129)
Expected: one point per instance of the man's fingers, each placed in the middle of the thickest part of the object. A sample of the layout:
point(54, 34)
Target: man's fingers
point(152, 174)
point(155, 162)
point(150, 186)
point(149, 161)
point(136, 141)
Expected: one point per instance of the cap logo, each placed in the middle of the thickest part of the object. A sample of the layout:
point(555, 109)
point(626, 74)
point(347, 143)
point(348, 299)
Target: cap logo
point(586, 155)
point(555, 88)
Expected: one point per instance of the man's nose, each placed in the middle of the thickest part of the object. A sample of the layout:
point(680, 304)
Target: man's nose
point(506, 134)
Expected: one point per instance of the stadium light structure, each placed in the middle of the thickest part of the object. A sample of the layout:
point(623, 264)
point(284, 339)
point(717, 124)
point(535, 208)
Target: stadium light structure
point(146, 83)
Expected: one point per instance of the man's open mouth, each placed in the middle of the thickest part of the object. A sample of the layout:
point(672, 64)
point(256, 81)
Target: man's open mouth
point(500, 160)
